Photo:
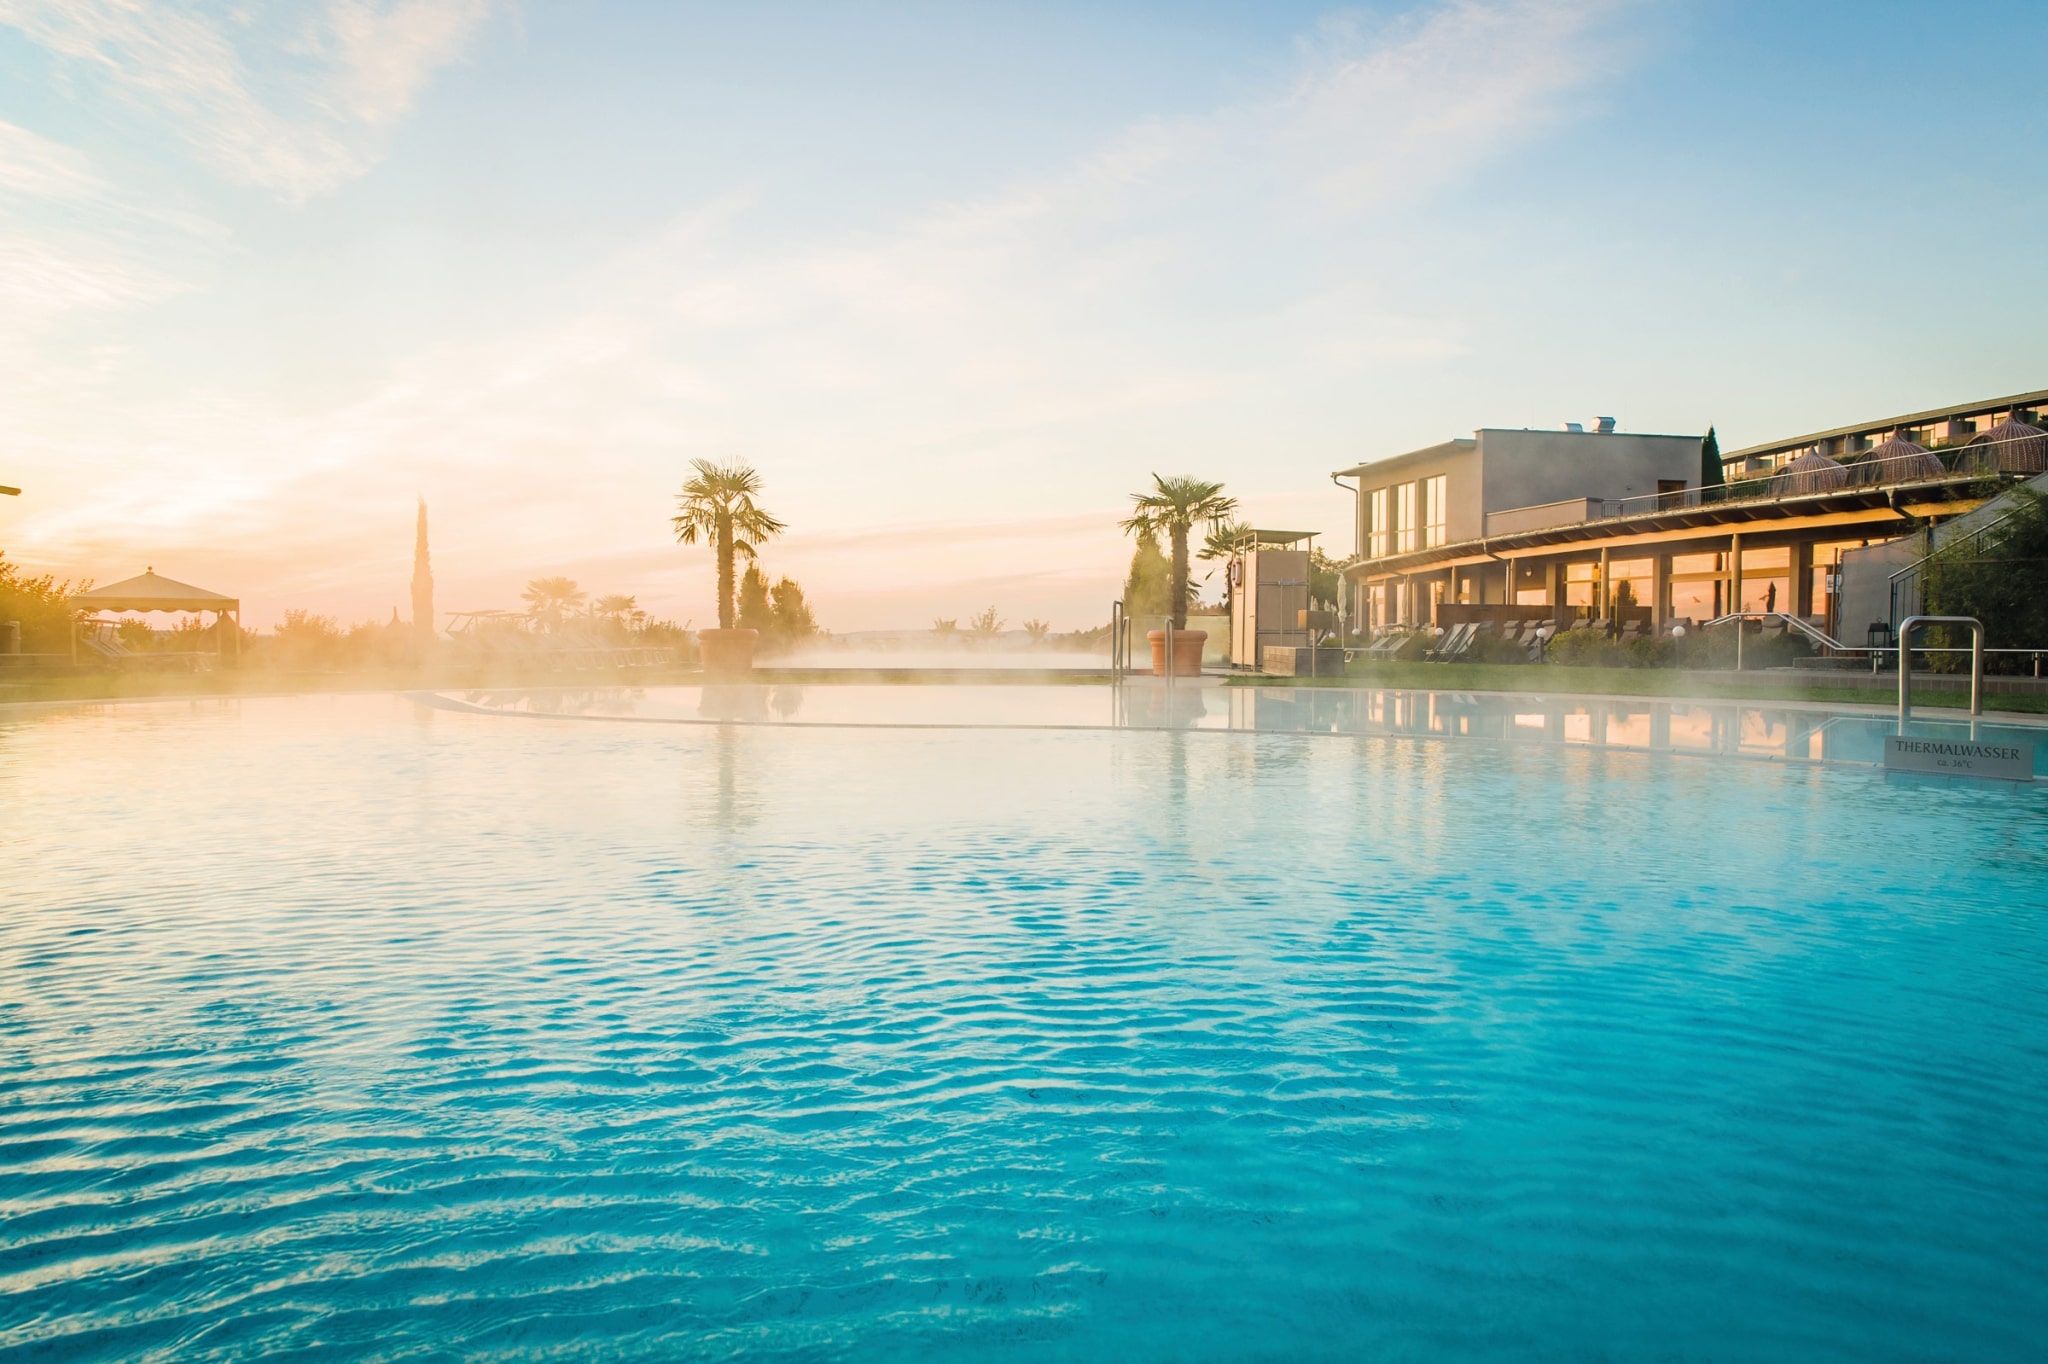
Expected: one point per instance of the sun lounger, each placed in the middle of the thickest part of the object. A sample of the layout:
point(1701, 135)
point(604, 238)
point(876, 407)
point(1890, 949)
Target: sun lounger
point(1452, 642)
point(1386, 646)
point(1459, 647)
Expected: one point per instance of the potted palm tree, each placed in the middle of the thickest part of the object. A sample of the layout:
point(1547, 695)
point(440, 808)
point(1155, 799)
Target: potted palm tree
point(1173, 508)
point(716, 507)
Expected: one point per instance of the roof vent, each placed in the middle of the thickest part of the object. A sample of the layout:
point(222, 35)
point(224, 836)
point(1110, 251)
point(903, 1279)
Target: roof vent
point(1606, 426)
point(1575, 428)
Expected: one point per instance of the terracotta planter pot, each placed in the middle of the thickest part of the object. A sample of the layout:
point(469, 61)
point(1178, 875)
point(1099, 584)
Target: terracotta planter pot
point(1187, 652)
point(727, 653)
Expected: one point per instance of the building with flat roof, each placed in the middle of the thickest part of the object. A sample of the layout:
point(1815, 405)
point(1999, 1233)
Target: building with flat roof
point(1602, 524)
point(1941, 428)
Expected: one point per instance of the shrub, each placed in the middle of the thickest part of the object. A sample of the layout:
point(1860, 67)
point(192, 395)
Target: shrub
point(1491, 648)
point(2001, 579)
point(41, 604)
point(1651, 653)
point(1585, 649)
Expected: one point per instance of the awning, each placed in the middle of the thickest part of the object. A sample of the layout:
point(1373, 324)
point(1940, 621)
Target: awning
point(150, 592)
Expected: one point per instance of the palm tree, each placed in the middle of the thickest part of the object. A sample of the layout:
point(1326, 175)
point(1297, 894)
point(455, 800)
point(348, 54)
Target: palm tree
point(716, 506)
point(1223, 541)
point(1037, 630)
point(1173, 508)
point(616, 606)
point(549, 599)
point(987, 625)
point(944, 628)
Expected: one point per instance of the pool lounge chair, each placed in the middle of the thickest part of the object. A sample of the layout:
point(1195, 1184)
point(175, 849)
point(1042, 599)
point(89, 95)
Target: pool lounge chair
point(1386, 646)
point(1451, 643)
point(1466, 645)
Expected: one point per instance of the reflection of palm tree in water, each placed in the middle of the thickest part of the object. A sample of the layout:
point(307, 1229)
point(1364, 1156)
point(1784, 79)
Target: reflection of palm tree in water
point(728, 780)
point(1177, 782)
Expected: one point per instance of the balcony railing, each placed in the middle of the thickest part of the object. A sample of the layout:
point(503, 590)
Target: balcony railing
point(1961, 464)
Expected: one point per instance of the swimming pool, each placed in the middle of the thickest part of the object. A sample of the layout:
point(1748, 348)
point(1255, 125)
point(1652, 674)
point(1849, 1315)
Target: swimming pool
point(367, 1025)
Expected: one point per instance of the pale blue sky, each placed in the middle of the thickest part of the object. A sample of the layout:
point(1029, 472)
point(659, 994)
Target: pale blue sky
point(956, 278)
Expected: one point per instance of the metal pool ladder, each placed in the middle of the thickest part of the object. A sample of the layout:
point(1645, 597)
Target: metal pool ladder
point(1906, 629)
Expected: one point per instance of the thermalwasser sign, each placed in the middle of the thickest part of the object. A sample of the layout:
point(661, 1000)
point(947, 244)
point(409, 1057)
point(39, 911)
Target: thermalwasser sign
point(1960, 758)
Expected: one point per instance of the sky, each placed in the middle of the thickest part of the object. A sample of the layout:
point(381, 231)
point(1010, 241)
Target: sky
point(956, 278)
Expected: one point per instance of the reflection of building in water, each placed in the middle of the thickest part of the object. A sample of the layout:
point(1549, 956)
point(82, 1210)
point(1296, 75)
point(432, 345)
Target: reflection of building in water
point(1576, 524)
point(1628, 728)
point(1739, 729)
point(1763, 731)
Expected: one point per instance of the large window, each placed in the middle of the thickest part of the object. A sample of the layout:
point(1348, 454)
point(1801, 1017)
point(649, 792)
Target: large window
point(1579, 581)
point(1404, 518)
point(1376, 524)
point(1767, 579)
point(1630, 583)
point(1433, 512)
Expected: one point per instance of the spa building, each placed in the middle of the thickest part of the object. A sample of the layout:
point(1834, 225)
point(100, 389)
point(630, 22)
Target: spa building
point(1592, 522)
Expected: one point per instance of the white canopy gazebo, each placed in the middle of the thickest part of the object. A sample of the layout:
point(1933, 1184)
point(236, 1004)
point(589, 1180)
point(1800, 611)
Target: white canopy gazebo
point(148, 591)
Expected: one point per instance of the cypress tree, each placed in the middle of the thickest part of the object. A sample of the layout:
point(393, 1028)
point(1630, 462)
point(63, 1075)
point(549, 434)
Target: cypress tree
point(1710, 461)
point(793, 618)
point(754, 611)
point(1148, 591)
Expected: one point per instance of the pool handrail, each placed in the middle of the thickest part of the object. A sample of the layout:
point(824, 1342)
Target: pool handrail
point(1905, 646)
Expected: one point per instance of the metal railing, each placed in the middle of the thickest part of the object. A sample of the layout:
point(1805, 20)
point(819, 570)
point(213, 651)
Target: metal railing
point(1893, 471)
point(1906, 629)
point(1975, 542)
point(1875, 652)
point(1792, 623)
point(1954, 463)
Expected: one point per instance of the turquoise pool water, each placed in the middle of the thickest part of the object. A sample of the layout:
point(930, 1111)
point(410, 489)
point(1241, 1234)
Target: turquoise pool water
point(366, 1028)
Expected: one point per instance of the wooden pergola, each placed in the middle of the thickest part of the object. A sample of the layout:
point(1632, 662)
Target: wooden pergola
point(148, 591)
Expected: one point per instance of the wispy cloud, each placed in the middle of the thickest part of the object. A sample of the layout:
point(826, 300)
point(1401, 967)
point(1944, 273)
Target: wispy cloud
point(385, 55)
point(32, 166)
point(294, 109)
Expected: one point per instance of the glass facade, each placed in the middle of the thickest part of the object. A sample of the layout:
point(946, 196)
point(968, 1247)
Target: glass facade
point(1630, 583)
point(1580, 582)
point(1376, 529)
point(1404, 518)
point(1698, 600)
point(1767, 579)
point(1699, 586)
point(1434, 513)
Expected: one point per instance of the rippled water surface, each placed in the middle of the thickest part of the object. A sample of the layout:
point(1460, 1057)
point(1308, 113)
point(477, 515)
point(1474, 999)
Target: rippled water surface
point(357, 1027)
